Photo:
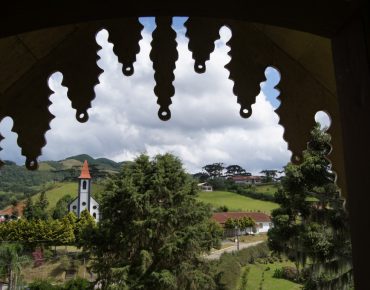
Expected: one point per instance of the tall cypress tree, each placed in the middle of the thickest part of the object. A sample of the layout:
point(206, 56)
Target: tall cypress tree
point(311, 226)
point(28, 211)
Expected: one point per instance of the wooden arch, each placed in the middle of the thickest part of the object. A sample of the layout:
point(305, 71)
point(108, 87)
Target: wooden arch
point(37, 39)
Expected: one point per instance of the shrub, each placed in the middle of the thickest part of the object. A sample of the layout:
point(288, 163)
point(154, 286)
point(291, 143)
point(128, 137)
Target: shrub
point(278, 273)
point(48, 254)
point(287, 272)
point(43, 285)
point(290, 273)
point(65, 263)
point(244, 279)
point(251, 254)
point(228, 272)
point(78, 284)
point(222, 208)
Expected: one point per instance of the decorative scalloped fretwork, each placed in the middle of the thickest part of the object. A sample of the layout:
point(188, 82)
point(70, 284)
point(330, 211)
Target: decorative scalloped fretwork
point(28, 107)
point(247, 64)
point(202, 34)
point(80, 71)
point(75, 55)
point(125, 34)
point(297, 112)
point(164, 56)
point(1, 138)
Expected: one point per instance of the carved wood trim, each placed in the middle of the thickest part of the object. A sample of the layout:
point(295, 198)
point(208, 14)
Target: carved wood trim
point(251, 51)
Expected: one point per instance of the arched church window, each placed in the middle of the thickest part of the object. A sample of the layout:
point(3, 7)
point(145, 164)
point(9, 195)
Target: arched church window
point(94, 215)
point(84, 184)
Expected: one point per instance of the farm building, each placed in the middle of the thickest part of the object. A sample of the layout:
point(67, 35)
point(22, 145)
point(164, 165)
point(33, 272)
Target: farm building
point(262, 221)
point(241, 179)
point(205, 186)
point(12, 212)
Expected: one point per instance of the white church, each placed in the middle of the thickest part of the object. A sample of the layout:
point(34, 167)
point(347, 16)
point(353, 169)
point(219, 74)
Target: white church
point(84, 200)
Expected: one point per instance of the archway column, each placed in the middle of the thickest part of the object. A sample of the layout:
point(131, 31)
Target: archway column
point(353, 88)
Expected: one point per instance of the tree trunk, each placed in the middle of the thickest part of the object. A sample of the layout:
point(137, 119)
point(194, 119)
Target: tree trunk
point(10, 279)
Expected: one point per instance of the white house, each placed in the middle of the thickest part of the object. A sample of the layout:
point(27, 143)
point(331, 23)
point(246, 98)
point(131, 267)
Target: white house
point(243, 179)
point(262, 221)
point(205, 186)
point(84, 200)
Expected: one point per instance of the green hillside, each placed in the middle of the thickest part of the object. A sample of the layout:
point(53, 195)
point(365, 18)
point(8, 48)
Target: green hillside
point(16, 182)
point(262, 274)
point(266, 189)
point(71, 188)
point(236, 202)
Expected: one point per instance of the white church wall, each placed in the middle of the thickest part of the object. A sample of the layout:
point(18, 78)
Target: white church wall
point(94, 209)
point(73, 206)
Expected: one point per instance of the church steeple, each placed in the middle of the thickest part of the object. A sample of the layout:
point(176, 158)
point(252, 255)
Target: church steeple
point(85, 173)
point(84, 199)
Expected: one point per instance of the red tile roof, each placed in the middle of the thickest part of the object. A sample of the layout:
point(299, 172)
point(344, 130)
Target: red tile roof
point(9, 210)
point(85, 173)
point(258, 217)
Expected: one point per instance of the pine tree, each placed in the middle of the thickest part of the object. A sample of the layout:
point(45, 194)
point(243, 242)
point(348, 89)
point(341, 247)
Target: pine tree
point(153, 230)
point(28, 211)
point(311, 226)
point(83, 227)
point(40, 207)
point(61, 207)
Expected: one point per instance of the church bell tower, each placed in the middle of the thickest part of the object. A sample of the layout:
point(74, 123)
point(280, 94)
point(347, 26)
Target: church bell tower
point(84, 200)
point(84, 189)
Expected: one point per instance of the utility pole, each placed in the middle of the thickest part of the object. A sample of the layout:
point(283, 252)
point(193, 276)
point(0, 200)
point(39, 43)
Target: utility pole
point(237, 237)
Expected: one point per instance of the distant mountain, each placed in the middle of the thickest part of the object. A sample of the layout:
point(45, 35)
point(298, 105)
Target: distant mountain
point(82, 158)
point(103, 163)
point(16, 182)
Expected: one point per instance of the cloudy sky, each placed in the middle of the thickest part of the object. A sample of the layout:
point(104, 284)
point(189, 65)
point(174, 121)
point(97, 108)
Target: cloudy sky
point(205, 126)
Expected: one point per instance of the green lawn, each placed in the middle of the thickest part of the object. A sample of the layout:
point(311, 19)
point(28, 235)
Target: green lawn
point(269, 189)
point(269, 283)
point(61, 189)
point(236, 202)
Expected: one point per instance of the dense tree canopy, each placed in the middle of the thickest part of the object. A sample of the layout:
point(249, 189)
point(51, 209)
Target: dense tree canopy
point(235, 169)
point(311, 226)
point(37, 210)
point(240, 224)
point(153, 230)
point(38, 232)
point(214, 170)
point(269, 174)
point(61, 207)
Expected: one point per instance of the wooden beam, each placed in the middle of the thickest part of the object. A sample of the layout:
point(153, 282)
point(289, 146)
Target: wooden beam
point(353, 89)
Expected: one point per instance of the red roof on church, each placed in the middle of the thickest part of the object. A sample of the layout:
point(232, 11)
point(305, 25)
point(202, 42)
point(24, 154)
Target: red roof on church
point(85, 173)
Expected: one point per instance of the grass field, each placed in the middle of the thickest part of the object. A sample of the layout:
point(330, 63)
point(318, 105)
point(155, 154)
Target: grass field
point(269, 282)
point(61, 189)
point(236, 202)
point(269, 189)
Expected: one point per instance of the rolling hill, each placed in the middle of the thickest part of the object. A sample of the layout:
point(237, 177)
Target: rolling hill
point(236, 202)
point(16, 182)
point(61, 189)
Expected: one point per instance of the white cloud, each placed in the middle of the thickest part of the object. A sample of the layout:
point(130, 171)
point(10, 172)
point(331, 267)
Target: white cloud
point(205, 126)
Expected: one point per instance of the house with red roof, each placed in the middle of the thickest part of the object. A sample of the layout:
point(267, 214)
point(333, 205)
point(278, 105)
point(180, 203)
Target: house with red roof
point(8, 213)
point(245, 179)
point(262, 220)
